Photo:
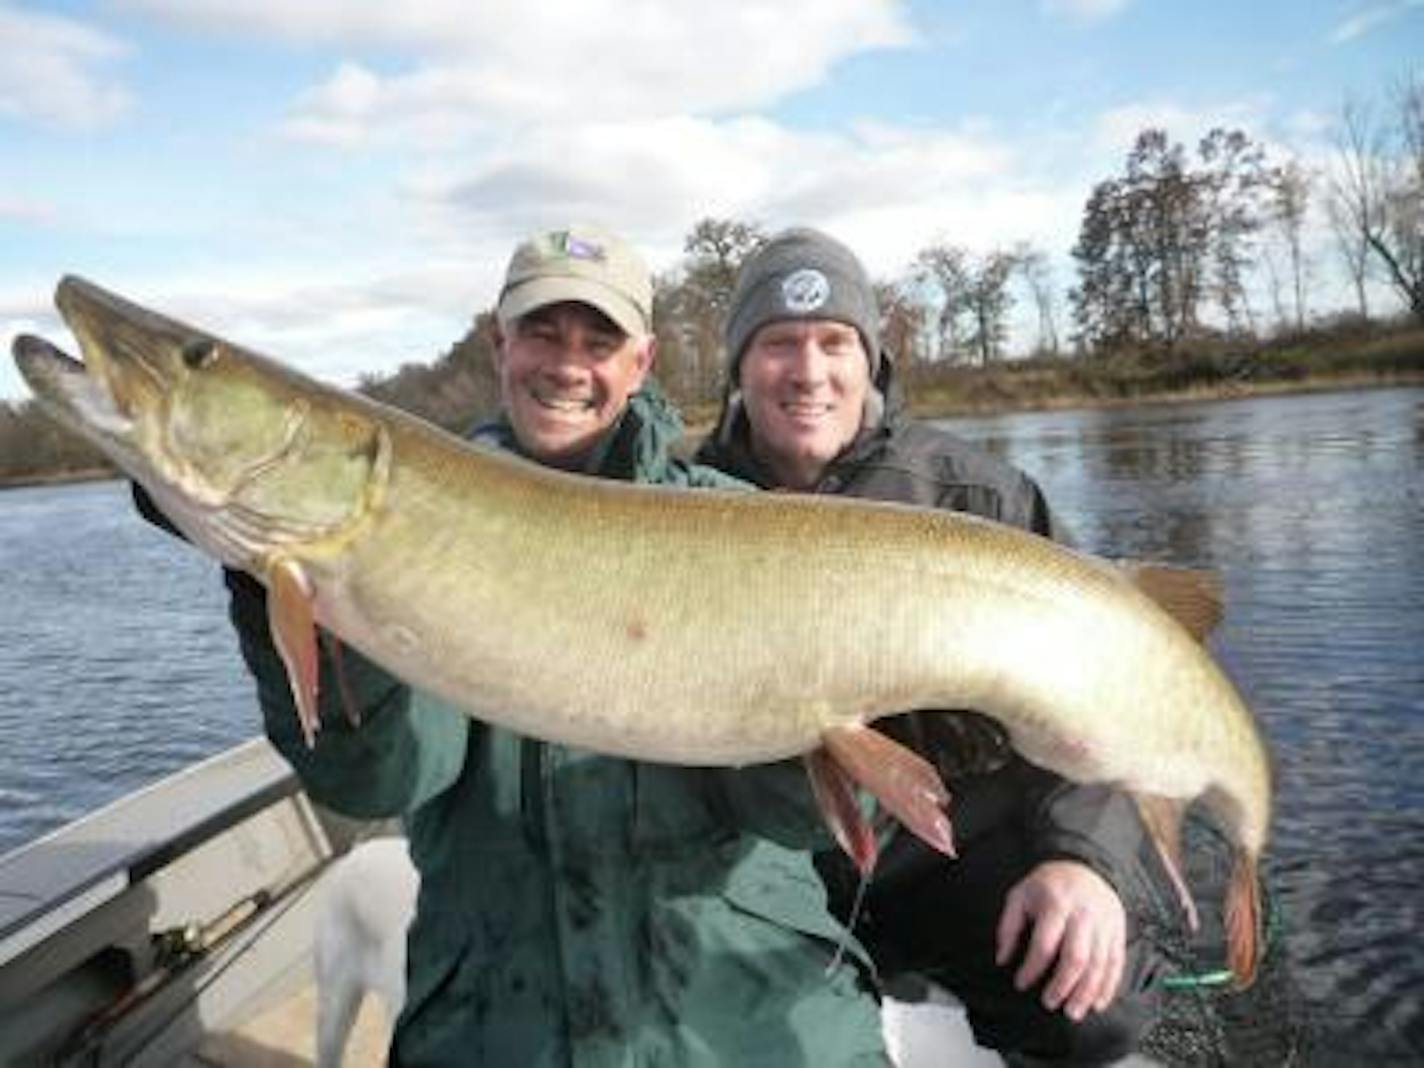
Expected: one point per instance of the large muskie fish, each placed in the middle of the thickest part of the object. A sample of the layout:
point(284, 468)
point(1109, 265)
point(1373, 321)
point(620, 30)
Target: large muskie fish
point(699, 628)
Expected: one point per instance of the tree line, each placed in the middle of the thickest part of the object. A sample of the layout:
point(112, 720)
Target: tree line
point(1183, 247)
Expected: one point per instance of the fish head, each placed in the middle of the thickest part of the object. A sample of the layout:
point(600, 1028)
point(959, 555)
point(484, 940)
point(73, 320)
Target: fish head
point(245, 456)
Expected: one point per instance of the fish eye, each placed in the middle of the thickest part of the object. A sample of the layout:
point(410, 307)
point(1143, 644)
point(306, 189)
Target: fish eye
point(199, 352)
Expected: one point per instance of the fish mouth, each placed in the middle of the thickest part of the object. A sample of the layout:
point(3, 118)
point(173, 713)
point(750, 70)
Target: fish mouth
point(69, 389)
point(130, 359)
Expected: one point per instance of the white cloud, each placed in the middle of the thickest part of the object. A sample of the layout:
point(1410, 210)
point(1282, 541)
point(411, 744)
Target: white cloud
point(49, 73)
point(335, 327)
point(335, 330)
point(877, 185)
point(887, 190)
point(1371, 19)
point(464, 69)
point(1084, 10)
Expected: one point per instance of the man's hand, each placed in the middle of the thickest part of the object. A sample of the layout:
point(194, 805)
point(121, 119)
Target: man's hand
point(1078, 921)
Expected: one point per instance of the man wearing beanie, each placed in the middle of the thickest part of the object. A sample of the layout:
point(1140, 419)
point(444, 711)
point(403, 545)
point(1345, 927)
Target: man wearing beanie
point(1029, 926)
point(576, 908)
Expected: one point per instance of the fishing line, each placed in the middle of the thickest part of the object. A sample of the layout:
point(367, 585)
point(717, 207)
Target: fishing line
point(846, 932)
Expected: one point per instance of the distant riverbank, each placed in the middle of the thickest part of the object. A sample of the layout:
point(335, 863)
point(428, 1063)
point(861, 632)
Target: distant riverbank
point(1216, 371)
point(1359, 359)
point(988, 396)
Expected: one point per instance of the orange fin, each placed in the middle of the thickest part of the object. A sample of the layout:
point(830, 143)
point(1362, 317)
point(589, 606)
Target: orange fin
point(1243, 921)
point(1163, 818)
point(900, 779)
point(835, 794)
point(289, 614)
point(343, 686)
point(1191, 596)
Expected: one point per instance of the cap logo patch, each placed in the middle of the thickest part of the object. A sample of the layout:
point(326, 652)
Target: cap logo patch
point(576, 248)
point(805, 290)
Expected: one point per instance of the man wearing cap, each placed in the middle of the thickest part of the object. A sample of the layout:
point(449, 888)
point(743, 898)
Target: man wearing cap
point(575, 908)
point(1028, 927)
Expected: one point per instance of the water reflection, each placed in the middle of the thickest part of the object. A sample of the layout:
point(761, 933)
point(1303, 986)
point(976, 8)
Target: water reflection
point(1310, 508)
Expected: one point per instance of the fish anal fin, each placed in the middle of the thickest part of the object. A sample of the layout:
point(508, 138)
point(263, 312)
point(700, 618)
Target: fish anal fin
point(1191, 596)
point(1243, 921)
point(904, 782)
point(835, 795)
point(1163, 819)
point(293, 623)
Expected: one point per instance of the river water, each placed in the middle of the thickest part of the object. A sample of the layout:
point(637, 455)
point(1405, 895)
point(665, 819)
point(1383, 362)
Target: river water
point(118, 666)
point(1311, 507)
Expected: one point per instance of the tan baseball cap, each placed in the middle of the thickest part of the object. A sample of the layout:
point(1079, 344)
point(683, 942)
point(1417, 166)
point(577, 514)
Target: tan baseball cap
point(582, 263)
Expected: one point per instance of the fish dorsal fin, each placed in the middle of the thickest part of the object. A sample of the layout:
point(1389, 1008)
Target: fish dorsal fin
point(1192, 596)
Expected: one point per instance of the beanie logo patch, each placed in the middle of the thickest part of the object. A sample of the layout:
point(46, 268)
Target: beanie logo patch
point(805, 290)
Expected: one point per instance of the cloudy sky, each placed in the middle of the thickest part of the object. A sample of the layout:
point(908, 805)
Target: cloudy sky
point(339, 182)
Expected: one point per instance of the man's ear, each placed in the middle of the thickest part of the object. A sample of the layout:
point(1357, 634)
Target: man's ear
point(647, 357)
point(496, 337)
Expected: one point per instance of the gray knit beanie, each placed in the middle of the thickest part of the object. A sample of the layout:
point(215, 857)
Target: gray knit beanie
point(802, 274)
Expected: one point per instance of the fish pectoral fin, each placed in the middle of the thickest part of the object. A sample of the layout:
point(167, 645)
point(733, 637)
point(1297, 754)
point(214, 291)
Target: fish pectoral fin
point(1163, 819)
point(338, 668)
point(835, 796)
point(293, 624)
point(1243, 921)
point(1191, 596)
point(904, 782)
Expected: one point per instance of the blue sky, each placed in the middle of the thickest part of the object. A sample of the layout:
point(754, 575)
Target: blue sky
point(338, 183)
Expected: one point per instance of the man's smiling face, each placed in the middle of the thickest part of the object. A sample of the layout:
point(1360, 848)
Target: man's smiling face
point(804, 385)
point(566, 372)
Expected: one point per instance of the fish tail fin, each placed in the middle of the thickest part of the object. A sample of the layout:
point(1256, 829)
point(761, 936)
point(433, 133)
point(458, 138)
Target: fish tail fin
point(835, 796)
point(1163, 819)
point(293, 625)
point(904, 782)
point(1243, 920)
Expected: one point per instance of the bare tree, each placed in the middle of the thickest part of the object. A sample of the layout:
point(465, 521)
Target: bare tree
point(1378, 187)
point(690, 305)
point(1037, 274)
point(989, 304)
point(972, 296)
point(944, 269)
point(902, 323)
point(1238, 182)
point(1290, 191)
point(1354, 250)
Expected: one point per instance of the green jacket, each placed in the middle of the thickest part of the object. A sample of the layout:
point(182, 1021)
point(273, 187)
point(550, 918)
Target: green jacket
point(579, 909)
